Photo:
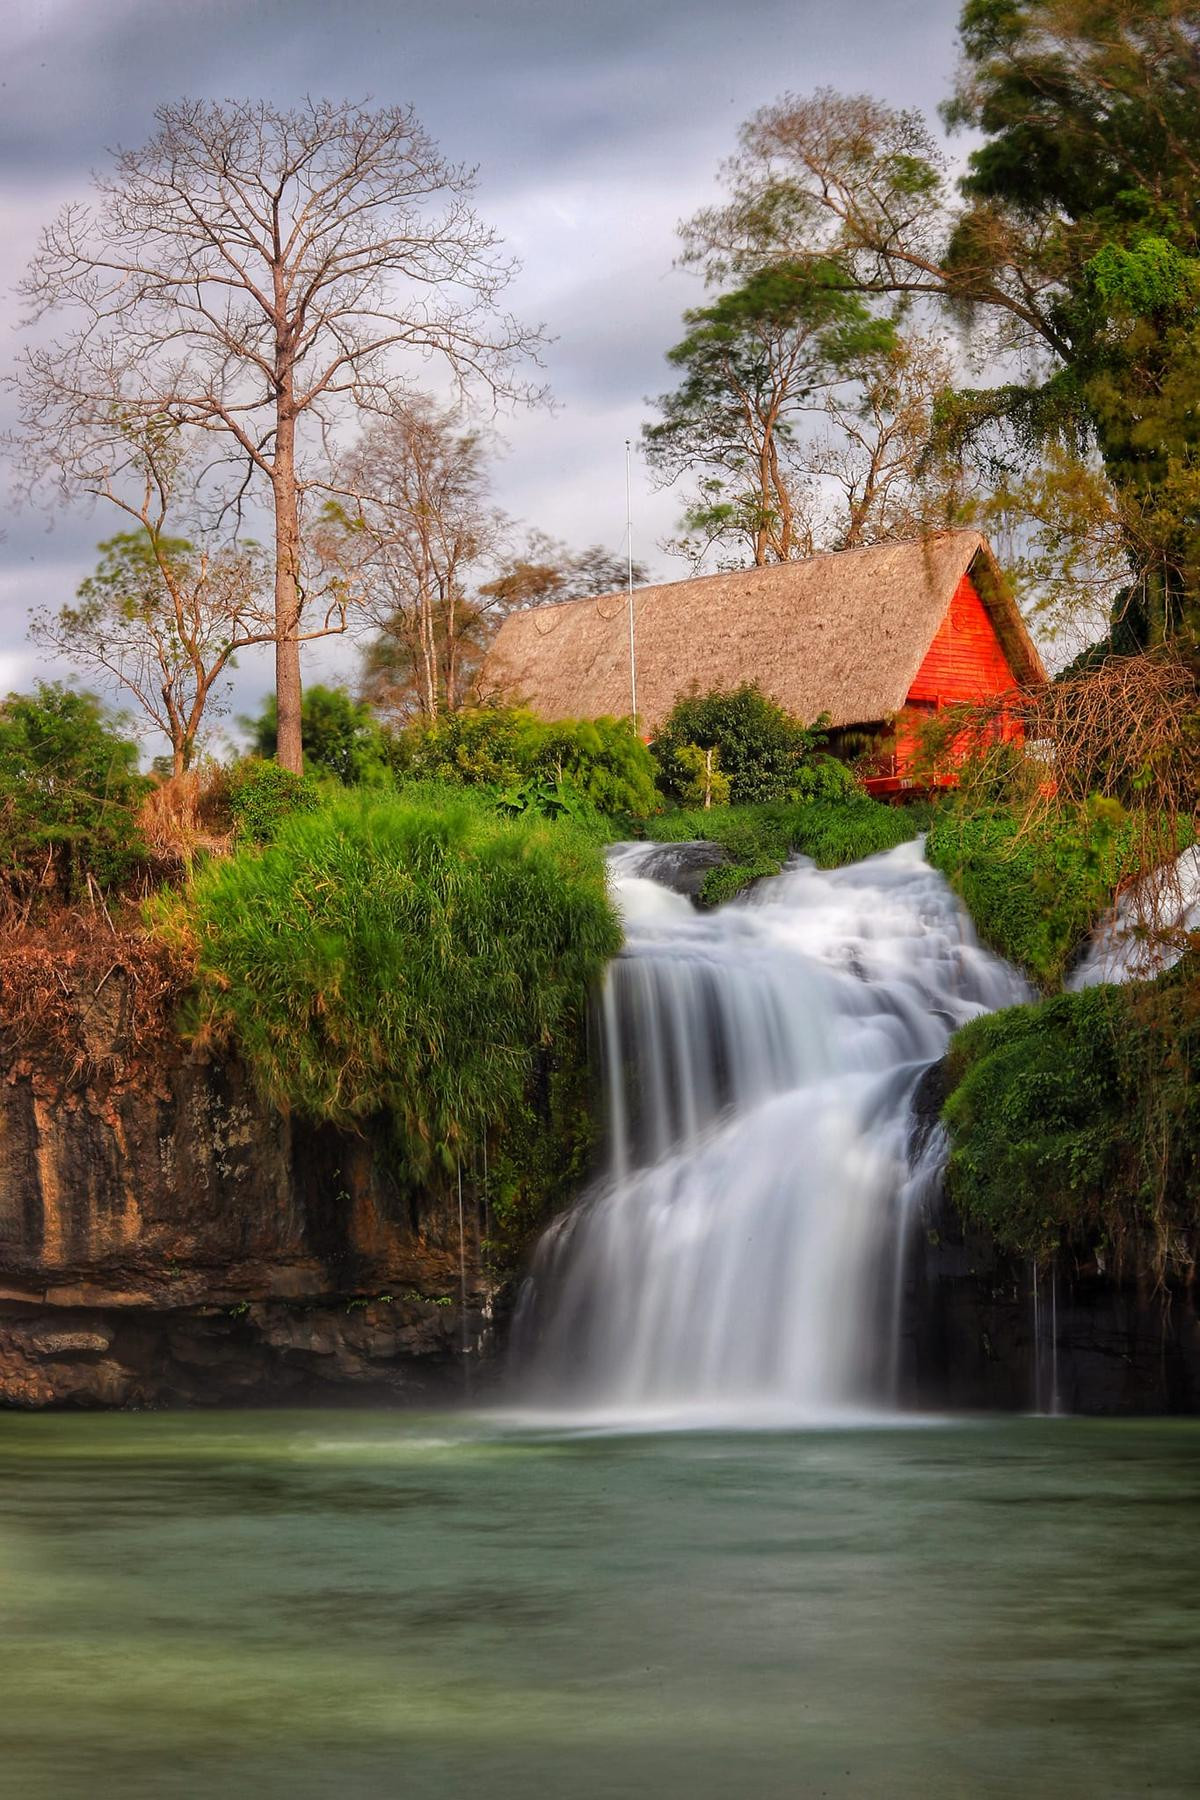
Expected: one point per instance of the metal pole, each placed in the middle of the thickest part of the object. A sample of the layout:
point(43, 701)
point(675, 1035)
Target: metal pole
point(629, 556)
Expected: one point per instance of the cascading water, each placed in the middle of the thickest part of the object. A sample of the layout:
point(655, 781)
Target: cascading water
point(743, 1255)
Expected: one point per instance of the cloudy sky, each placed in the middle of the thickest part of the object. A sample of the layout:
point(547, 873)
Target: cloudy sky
point(596, 126)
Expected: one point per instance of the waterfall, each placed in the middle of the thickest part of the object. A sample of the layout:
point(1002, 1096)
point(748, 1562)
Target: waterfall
point(743, 1253)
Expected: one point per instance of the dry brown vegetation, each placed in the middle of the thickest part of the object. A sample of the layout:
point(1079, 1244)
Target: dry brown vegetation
point(89, 998)
point(1127, 732)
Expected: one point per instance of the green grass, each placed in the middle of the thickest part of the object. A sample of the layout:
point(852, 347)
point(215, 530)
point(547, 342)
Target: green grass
point(1034, 893)
point(759, 839)
point(420, 959)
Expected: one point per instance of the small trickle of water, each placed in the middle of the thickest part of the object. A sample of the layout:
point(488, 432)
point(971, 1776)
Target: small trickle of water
point(743, 1254)
point(1146, 931)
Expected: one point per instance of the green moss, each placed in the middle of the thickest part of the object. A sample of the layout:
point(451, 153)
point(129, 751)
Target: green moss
point(1078, 1118)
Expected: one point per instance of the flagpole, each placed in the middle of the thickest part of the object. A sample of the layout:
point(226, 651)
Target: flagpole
point(629, 555)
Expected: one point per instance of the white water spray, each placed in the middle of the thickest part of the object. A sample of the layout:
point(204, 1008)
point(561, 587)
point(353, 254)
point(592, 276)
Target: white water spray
point(743, 1256)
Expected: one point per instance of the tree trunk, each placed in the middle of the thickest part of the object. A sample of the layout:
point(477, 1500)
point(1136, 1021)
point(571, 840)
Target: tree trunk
point(289, 746)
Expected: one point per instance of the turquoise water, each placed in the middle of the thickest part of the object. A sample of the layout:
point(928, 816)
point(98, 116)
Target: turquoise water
point(369, 1605)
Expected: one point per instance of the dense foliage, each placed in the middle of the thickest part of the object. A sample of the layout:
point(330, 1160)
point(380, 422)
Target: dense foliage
point(1034, 888)
point(1084, 190)
point(69, 791)
point(599, 762)
point(261, 795)
point(759, 839)
point(1078, 1118)
point(762, 751)
point(411, 958)
point(340, 735)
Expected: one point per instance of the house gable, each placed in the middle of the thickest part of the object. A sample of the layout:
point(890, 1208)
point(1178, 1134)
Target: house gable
point(966, 660)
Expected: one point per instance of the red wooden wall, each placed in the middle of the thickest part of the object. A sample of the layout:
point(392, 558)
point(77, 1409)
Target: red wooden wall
point(966, 661)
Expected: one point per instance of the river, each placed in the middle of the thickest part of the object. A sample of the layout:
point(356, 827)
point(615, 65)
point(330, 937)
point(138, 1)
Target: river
point(371, 1605)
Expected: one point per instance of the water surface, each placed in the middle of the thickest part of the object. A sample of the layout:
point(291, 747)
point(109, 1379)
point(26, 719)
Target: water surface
point(366, 1605)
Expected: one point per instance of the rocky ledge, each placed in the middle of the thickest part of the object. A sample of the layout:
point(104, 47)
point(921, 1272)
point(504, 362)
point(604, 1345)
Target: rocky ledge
point(166, 1238)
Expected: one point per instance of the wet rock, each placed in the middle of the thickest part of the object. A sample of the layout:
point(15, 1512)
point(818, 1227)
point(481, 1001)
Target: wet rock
point(1090, 1339)
point(682, 867)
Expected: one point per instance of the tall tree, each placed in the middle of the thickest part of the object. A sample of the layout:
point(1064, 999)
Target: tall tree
point(752, 363)
point(874, 470)
point(1073, 235)
point(252, 272)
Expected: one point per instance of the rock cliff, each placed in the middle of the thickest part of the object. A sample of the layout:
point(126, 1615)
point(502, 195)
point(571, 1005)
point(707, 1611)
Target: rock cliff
point(165, 1238)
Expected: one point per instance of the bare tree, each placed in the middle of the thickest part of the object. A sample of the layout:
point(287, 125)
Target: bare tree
point(878, 473)
point(253, 272)
point(412, 530)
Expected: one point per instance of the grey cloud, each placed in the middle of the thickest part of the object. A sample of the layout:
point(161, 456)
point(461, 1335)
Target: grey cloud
point(595, 126)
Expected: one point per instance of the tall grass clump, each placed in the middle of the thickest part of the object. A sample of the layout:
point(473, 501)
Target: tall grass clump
point(411, 957)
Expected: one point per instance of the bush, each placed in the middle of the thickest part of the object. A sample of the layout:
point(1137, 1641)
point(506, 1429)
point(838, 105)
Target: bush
point(1034, 890)
point(339, 734)
point(601, 762)
point(261, 796)
point(411, 958)
point(69, 793)
point(761, 748)
point(759, 839)
point(1079, 1118)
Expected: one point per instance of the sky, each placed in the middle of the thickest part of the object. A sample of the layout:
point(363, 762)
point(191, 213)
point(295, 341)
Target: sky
point(596, 125)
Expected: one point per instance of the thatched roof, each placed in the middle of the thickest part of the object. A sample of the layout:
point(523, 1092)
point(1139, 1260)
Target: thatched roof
point(842, 635)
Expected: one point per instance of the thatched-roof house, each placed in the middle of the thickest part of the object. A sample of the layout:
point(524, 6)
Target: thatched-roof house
point(869, 638)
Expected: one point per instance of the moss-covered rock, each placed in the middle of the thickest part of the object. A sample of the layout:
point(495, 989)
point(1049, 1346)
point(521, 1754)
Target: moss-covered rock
point(1078, 1119)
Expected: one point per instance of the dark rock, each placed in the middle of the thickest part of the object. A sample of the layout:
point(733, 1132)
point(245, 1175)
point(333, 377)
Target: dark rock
point(983, 1330)
point(682, 867)
point(167, 1238)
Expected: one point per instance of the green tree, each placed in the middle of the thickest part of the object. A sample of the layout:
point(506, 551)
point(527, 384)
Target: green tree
point(761, 749)
point(752, 363)
point(1071, 243)
point(69, 792)
point(339, 733)
point(161, 620)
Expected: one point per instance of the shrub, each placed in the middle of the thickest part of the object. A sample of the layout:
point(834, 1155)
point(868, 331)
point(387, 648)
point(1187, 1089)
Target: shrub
point(1035, 890)
point(1079, 1117)
point(69, 794)
point(761, 748)
point(261, 796)
point(601, 761)
point(411, 958)
point(340, 736)
point(702, 781)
